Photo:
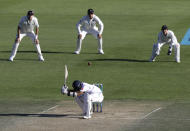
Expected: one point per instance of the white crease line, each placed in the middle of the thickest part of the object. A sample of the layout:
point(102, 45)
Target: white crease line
point(48, 109)
point(113, 118)
point(151, 113)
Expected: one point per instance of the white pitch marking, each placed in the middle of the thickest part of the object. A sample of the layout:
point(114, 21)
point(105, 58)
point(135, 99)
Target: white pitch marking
point(49, 109)
point(114, 118)
point(151, 113)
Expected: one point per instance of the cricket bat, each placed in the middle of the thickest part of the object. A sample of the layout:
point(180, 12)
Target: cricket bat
point(66, 75)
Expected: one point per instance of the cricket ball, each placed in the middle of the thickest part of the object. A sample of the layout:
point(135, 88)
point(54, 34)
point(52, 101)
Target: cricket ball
point(89, 63)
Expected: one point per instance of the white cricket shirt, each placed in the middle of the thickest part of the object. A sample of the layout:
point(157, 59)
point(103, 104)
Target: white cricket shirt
point(26, 25)
point(169, 38)
point(91, 89)
point(87, 24)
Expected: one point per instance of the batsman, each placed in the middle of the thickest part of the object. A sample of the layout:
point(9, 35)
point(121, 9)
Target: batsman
point(85, 94)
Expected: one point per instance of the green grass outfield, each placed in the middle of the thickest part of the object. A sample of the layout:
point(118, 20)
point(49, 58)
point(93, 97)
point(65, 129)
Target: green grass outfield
point(131, 28)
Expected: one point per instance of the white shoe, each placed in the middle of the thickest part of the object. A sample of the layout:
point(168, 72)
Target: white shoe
point(41, 58)
point(178, 61)
point(101, 52)
point(151, 60)
point(77, 52)
point(11, 59)
point(87, 117)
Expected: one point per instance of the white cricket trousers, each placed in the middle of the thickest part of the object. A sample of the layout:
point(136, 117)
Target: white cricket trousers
point(32, 37)
point(157, 48)
point(85, 101)
point(93, 32)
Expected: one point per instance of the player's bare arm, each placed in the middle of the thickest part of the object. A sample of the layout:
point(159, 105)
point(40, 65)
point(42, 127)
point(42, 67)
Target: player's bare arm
point(18, 35)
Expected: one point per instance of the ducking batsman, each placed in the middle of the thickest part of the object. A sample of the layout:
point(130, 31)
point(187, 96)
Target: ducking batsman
point(85, 94)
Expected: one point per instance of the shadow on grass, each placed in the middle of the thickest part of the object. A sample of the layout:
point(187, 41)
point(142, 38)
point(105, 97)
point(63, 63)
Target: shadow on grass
point(2, 59)
point(45, 52)
point(39, 115)
point(50, 52)
point(115, 59)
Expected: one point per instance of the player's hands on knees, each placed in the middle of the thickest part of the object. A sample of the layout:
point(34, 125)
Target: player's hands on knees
point(79, 36)
point(37, 41)
point(99, 36)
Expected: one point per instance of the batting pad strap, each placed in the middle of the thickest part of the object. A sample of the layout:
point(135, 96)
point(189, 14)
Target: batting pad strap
point(71, 93)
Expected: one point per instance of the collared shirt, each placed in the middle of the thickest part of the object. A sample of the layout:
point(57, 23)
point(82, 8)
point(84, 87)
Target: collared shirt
point(169, 38)
point(26, 25)
point(87, 24)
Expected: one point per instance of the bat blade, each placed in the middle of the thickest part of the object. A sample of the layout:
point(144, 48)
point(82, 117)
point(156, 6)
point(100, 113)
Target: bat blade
point(66, 74)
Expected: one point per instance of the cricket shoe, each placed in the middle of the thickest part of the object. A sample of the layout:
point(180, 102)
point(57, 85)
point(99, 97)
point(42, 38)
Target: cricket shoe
point(101, 52)
point(151, 60)
point(178, 61)
point(11, 59)
point(77, 52)
point(87, 117)
point(41, 58)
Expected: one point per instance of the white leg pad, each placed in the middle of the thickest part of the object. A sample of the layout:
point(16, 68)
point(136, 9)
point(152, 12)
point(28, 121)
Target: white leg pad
point(87, 104)
point(80, 102)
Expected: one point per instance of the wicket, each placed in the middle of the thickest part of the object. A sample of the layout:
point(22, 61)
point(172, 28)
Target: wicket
point(97, 104)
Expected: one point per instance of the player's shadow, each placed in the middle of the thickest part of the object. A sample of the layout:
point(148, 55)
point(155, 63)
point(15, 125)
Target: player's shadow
point(45, 52)
point(115, 59)
point(2, 59)
point(40, 115)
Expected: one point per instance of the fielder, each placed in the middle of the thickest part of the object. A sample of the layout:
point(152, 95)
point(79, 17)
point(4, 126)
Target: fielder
point(25, 28)
point(87, 25)
point(166, 37)
point(84, 94)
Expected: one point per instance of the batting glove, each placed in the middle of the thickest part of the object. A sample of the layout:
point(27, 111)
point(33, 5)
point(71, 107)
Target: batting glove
point(64, 90)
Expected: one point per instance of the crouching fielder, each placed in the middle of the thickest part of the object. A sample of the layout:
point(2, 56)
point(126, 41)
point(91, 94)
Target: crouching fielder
point(84, 94)
point(166, 37)
point(87, 25)
point(25, 28)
